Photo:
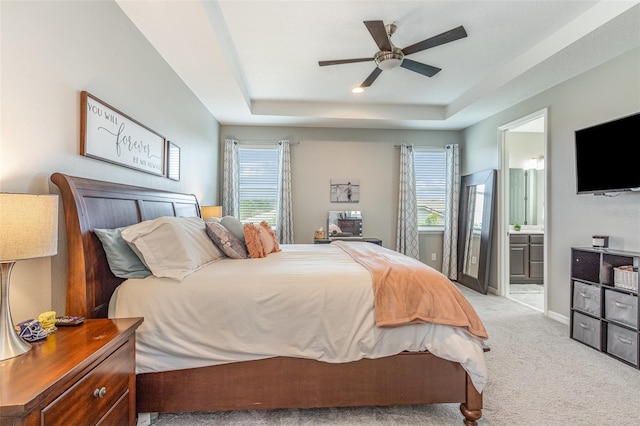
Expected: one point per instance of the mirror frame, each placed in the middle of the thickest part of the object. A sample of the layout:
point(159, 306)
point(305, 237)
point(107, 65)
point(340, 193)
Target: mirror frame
point(355, 214)
point(488, 178)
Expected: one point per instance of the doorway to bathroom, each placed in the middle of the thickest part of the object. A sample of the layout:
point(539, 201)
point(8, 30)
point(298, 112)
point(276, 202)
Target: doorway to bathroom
point(522, 218)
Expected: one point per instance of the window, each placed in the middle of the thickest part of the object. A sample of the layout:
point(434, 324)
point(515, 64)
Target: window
point(431, 179)
point(258, 184)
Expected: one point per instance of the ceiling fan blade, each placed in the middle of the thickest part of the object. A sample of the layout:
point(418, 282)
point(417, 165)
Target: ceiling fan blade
point(379, 34)
point(372, 77)
point(343, 61)
point(445, 37)
point(419, 67)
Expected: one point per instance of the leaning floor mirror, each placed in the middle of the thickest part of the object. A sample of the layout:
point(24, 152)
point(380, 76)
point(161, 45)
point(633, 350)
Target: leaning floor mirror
point(475, 220)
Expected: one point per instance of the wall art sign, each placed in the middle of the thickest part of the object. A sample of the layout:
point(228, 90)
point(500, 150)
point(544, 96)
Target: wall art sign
point(109, 135)
point(173, 161)
point(345, 190)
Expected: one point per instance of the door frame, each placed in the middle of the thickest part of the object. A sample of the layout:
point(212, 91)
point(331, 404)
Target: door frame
point(503, 202)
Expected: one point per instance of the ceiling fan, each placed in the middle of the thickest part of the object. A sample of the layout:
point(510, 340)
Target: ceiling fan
point(389, 56)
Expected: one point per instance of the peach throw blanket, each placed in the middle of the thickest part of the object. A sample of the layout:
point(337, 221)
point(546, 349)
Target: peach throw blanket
point(407, 291)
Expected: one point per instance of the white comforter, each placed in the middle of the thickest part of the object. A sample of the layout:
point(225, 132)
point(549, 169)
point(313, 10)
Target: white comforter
point(309, 301)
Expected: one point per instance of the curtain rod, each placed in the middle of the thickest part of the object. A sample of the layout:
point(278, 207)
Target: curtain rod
point(425, 146)
point(261, 142)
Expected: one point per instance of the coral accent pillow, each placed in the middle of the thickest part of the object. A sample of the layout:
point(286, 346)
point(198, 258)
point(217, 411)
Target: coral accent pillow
point(268, 238)
point(260, 240)
point(252, 241)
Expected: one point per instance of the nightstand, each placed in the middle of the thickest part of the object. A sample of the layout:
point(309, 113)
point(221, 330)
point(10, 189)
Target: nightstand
point(82, 375)
point(328, 240)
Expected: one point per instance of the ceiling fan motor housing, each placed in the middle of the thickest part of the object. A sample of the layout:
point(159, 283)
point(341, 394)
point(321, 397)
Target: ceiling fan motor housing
point(389, 60)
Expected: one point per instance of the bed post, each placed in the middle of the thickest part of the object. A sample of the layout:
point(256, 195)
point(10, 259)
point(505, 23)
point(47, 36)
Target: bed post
point(472, 408)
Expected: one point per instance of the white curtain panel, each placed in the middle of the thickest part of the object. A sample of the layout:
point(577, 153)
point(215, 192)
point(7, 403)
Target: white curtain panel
point(407, 233)
point(230, 178)
point(450, 243)
point(284, 229)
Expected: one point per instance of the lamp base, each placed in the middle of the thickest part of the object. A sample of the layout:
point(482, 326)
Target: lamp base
point(11, 345)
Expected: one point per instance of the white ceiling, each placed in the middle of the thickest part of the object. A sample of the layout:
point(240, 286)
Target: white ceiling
point(256, 62)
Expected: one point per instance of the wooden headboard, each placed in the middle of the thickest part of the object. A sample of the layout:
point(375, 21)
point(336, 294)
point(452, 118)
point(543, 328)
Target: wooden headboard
point(90, 204)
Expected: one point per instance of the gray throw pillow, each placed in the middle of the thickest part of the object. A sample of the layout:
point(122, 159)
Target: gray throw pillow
point(234, 226)
point(226, 241)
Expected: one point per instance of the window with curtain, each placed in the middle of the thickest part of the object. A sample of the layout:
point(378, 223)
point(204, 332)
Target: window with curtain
point(258, 184)
point(430, 172)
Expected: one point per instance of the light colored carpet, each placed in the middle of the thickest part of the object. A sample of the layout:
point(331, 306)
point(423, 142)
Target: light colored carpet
point(538, 377)
point(530, 294)
point(526, 288)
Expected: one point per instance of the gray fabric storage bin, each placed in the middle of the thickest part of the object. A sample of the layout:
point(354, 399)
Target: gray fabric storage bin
point(621, 307)
point(622, 343)
point(586, 329)
point(586, 298)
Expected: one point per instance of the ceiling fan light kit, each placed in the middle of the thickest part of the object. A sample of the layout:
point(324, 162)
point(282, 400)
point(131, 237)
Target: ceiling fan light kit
point(390, 57)
point(389, 60)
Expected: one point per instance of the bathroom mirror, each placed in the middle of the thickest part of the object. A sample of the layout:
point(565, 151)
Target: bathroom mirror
point(475, 219)
point(526, 196)
point(344, 224)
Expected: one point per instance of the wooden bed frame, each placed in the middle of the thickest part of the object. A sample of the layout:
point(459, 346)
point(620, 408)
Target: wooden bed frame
point(281, 382)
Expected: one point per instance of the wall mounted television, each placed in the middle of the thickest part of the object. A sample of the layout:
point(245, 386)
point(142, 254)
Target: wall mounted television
point(608, 156)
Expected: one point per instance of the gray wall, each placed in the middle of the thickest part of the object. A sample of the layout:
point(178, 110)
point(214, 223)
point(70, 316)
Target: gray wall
point(601, 94)
point(51, 51)
point(368, 155)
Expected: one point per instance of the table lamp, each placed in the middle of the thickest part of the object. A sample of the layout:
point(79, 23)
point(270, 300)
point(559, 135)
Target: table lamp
point(211, 211)
point(28, 229)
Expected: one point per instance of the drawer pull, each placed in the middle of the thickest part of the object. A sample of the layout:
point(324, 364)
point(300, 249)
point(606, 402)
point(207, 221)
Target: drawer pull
point(100, 393)
point(622, 305)
point(625, 340)
point(585, 295)
point(585, 326)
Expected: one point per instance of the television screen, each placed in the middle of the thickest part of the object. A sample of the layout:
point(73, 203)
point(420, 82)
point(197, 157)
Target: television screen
point(608, 156)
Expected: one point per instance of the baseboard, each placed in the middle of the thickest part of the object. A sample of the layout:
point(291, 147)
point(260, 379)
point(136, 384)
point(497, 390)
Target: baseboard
point(558, 317)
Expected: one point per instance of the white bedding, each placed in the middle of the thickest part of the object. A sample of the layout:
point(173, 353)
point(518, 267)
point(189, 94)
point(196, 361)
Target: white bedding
point(309, 301)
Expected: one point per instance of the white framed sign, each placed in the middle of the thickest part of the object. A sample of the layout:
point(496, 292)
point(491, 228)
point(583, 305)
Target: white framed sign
point(109, 135)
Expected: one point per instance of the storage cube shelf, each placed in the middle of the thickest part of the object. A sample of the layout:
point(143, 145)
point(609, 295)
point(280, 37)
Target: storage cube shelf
point(604, 314)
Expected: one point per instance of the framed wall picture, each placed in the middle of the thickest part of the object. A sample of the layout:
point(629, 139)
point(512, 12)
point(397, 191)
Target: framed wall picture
point(345, 190)
point(109, 135)
point(173, 161)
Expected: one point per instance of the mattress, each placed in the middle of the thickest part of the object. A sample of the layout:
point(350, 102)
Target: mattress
point(308, 301)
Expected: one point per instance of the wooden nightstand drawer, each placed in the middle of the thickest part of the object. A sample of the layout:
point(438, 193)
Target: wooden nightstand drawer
point(91, 398)
point(54, 383)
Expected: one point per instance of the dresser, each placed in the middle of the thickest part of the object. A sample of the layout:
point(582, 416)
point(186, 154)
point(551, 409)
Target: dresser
point(79, 375)
point(329, 240)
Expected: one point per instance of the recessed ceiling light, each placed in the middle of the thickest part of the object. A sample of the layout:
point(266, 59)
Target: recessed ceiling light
point(357, 89)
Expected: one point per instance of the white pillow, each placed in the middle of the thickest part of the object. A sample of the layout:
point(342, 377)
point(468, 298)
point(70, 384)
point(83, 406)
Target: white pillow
point(172, 247)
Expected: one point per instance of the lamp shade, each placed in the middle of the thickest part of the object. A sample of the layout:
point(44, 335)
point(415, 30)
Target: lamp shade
point(211, 211)
point(28, 226)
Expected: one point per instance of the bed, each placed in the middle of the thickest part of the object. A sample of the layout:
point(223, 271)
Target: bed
point(408, 377)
